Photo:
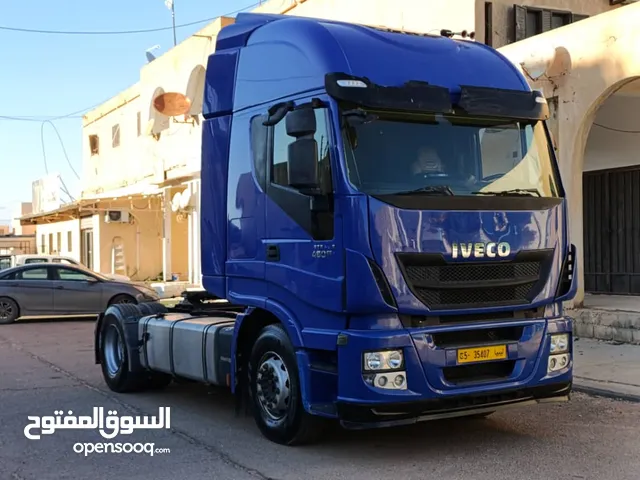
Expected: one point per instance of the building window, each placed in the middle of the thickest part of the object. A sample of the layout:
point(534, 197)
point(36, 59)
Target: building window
point(69, 241)
point(530, 21)
point(94, 144)
point(139, 124)
point(488, 23)
point(59, 242)
point(115, 135)
point(50, 243)
point(43, 244)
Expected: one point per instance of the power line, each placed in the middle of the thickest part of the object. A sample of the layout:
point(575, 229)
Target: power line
point(615, 129)
point(123, 32)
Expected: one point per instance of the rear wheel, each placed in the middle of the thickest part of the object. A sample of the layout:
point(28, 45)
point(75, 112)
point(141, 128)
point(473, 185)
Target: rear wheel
point(114, 361)
point(275, 391)
point(9, 311)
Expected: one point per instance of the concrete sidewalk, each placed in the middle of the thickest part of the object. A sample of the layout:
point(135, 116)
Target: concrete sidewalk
point(607, 368)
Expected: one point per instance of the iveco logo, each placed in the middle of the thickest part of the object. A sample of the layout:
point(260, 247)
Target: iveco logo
point(480, 250)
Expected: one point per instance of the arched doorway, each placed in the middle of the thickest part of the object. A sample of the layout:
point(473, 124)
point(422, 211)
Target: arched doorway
point(611, 194)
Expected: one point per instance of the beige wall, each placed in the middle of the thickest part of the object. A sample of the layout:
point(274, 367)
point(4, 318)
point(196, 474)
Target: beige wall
point(113, 166)
point(47, 235)
point(17, 245)
point(25, 208)
point(594, 59)
point(166, 148)
point(5, 229)
point(141, 239)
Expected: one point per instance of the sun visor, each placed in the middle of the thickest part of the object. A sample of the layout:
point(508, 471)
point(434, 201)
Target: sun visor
point(498, 102)
point(413, 96)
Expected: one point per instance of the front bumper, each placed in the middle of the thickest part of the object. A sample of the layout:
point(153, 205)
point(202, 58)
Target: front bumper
point(359, 416)
point(429, 394)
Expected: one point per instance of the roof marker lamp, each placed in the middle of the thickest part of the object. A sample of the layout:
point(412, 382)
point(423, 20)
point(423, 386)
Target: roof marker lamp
point(351, 83)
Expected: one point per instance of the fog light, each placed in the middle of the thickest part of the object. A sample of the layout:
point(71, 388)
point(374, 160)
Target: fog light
point(559, 343)
point(558, 362)
point(387, 381)
point(384, 360)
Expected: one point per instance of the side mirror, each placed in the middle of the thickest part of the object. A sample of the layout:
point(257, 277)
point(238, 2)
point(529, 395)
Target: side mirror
point(302, 164)
point(301, 123)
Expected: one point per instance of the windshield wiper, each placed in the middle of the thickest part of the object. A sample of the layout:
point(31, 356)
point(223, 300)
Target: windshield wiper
point(429, 190)
point(516, 192)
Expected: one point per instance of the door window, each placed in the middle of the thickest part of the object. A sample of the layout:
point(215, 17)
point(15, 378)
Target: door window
point(33, 274)
point(73, 275)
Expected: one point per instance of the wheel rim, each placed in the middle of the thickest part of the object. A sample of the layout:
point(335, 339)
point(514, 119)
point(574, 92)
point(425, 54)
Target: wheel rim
point(124, 300)
point(273, 386)
point(6, 310)
point(113, 350)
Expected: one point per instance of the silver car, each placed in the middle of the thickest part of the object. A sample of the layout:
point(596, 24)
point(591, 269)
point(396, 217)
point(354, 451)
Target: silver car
point(54, 290)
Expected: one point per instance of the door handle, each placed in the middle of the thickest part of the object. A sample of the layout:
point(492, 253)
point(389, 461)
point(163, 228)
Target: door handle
point(273, 253)
point(59, 287)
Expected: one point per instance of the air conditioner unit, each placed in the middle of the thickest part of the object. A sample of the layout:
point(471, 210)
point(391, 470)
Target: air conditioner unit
point(116, 216)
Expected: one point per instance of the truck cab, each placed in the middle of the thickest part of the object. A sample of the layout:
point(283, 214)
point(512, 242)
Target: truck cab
point(384, 216)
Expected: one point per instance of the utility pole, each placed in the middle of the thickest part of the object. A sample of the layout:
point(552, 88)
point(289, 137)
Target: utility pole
point(170, 5)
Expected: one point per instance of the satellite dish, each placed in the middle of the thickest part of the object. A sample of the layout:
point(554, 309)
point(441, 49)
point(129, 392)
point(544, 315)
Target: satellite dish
point(150, 56)
point(172, 104)
point(185, 200)
point(175, 202)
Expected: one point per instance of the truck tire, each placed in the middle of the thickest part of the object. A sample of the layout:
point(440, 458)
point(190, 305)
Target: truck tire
point(275, 391)
point(9, 311)
point(114, 361)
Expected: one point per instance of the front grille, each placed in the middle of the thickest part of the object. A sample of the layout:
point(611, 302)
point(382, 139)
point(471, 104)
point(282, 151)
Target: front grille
point(444, 286)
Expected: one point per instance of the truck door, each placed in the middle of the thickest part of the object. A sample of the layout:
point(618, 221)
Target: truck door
point(304, 257)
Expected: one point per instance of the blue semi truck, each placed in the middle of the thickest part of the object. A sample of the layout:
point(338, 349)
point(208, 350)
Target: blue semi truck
point(383, 230)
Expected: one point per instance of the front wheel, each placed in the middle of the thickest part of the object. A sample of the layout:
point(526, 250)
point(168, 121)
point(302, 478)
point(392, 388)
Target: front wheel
point(275, 391)
point(9, 311)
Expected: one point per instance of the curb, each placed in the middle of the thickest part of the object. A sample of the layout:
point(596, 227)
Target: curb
point(601, 392)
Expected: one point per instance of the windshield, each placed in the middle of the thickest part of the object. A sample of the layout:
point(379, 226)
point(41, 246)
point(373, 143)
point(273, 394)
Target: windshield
point(443, 155)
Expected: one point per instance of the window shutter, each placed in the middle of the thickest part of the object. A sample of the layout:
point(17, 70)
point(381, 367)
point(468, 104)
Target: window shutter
point(575, 17)
point(519, 23)
point(546, 21)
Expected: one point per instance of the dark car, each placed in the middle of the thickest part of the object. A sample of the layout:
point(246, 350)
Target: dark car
point(62, 290)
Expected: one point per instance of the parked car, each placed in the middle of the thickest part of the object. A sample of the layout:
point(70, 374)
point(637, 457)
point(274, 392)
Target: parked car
point(54, 290)
point(8, 261)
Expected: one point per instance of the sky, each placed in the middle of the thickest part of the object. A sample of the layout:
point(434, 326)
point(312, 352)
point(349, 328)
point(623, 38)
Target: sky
point(43, 76)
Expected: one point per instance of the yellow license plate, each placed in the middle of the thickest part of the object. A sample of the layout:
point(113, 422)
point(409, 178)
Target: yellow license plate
point(482, 354)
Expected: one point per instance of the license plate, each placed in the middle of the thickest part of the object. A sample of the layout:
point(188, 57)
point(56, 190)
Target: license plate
point(482, 354)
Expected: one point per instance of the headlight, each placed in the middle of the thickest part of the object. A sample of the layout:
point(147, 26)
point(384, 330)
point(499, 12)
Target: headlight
point(386, 360)
point(559, 343)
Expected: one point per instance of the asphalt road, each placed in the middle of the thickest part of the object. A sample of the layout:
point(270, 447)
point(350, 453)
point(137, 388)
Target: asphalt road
point(47, 366)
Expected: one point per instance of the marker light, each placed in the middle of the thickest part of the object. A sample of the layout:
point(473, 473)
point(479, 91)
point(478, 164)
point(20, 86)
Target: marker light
point(351, 83)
